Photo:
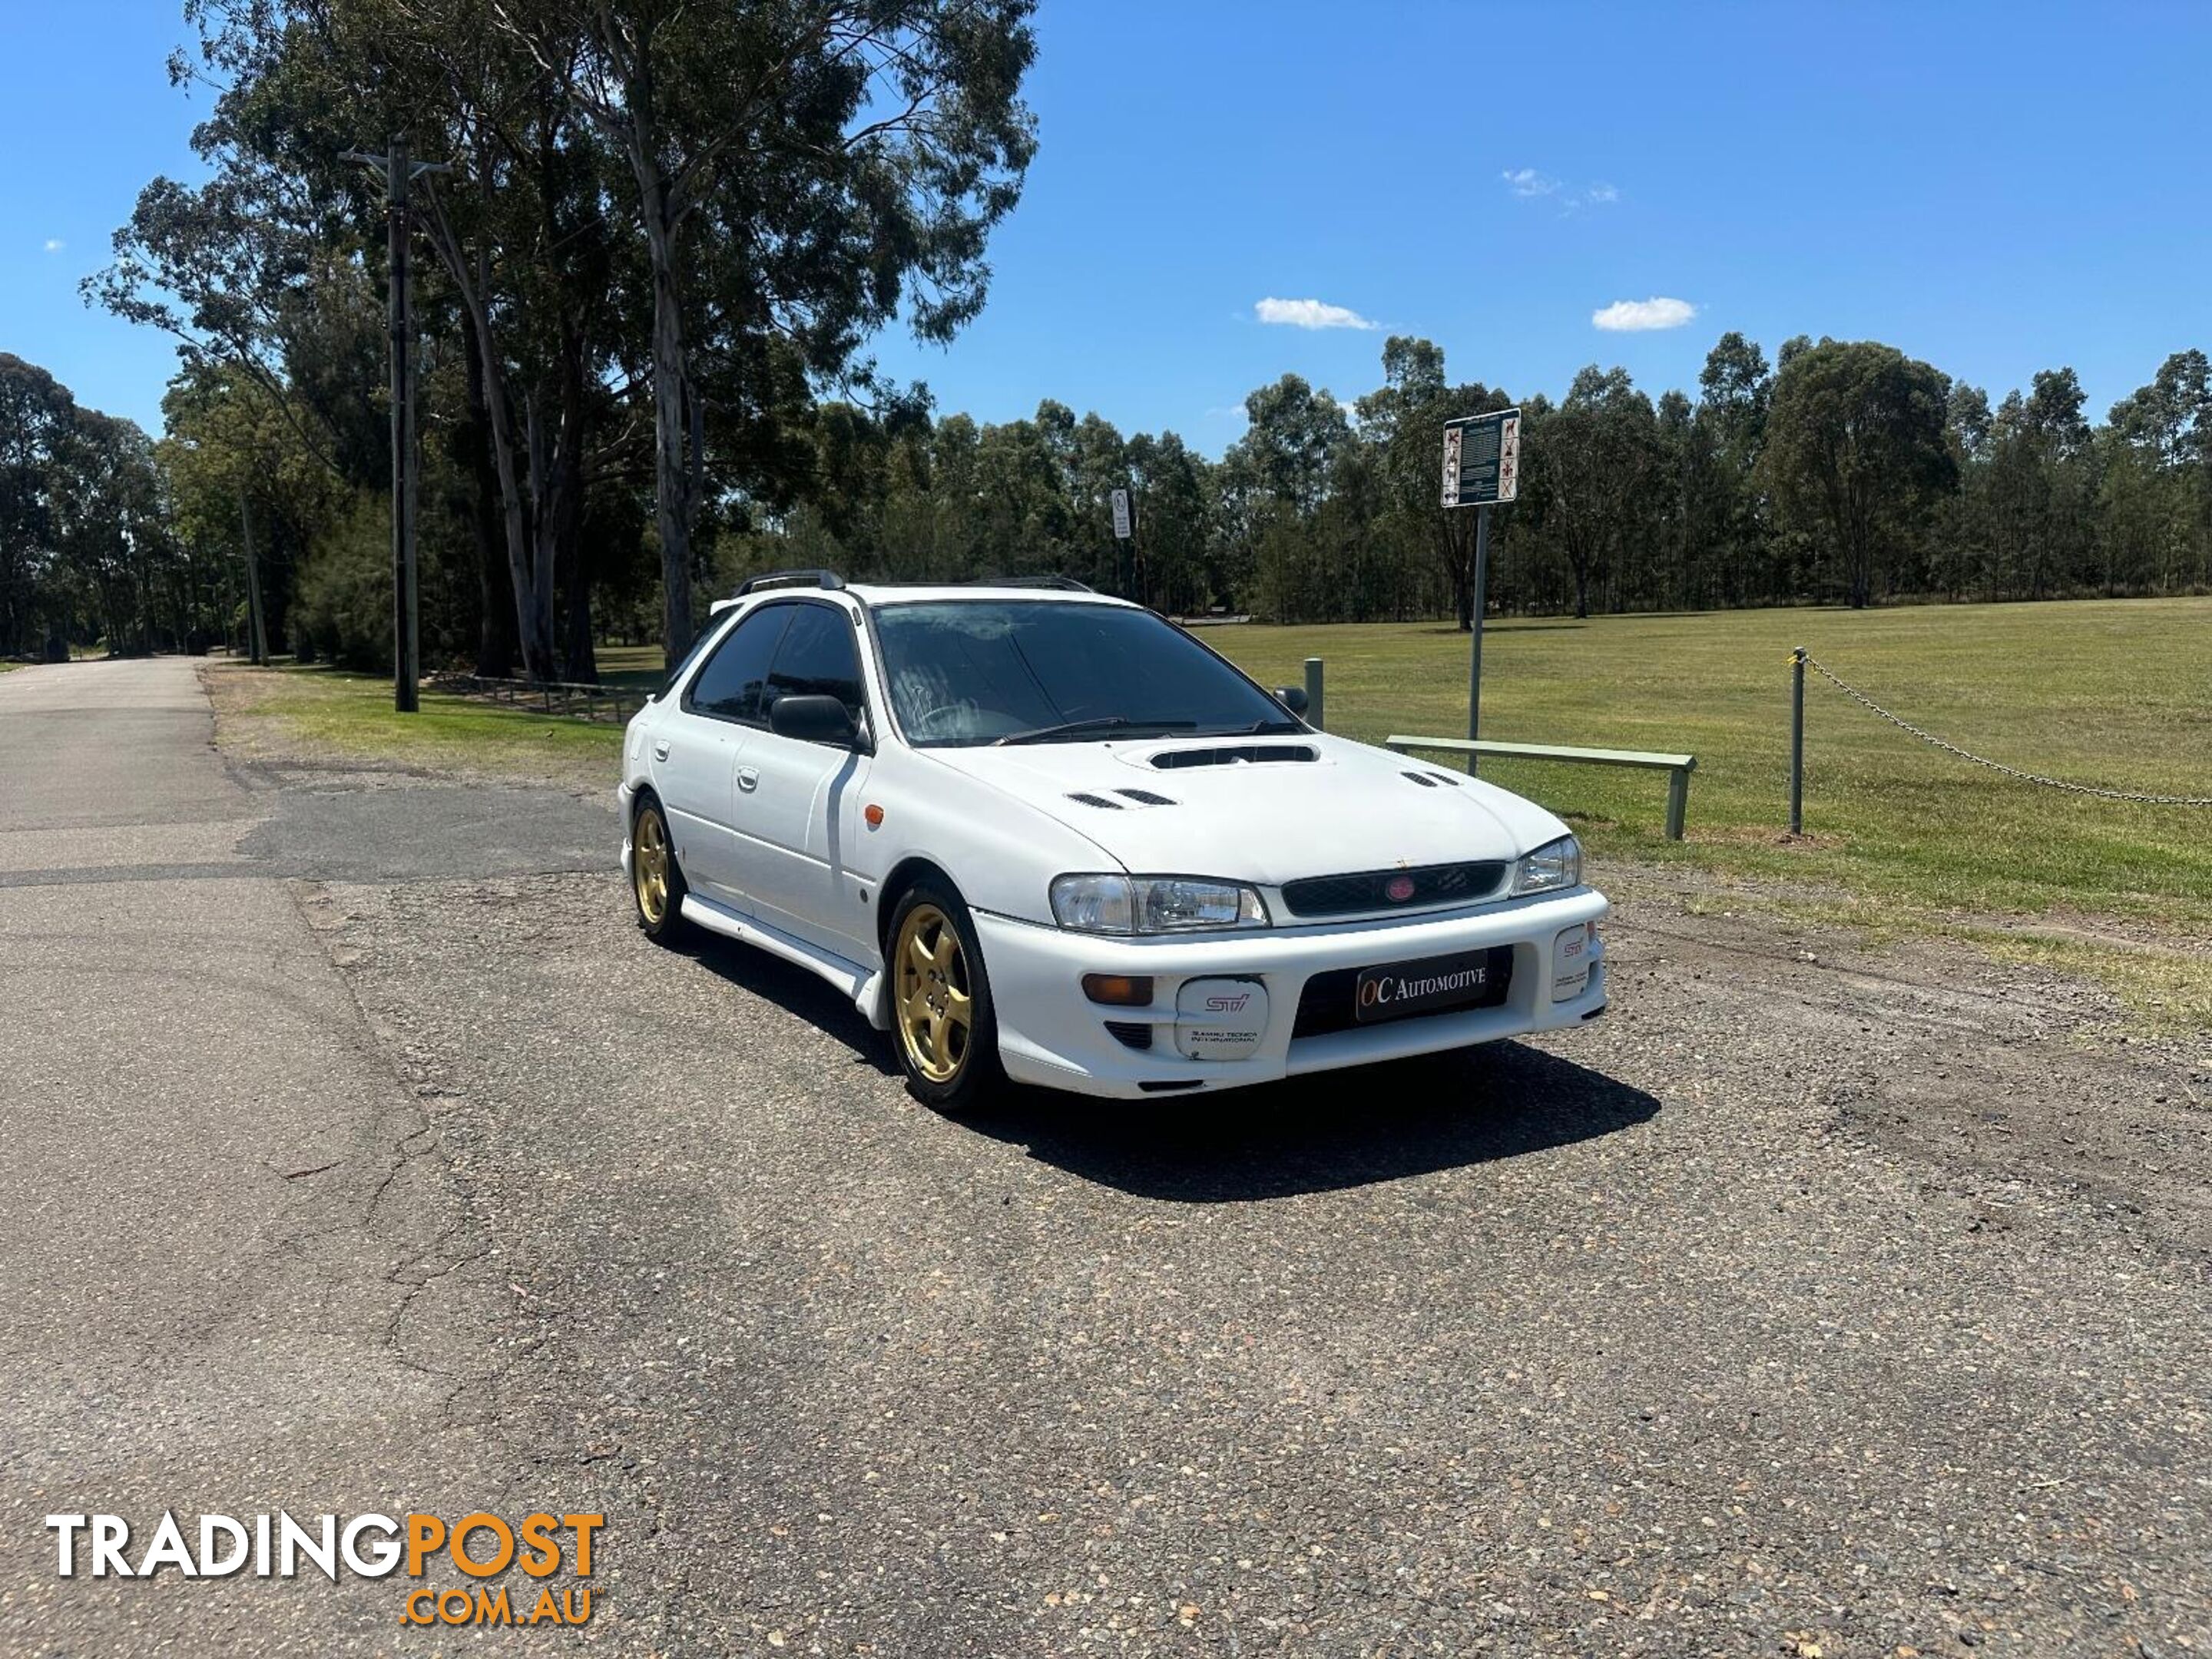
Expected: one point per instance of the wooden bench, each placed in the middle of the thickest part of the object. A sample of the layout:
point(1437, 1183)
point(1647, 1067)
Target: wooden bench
point(1677, 767)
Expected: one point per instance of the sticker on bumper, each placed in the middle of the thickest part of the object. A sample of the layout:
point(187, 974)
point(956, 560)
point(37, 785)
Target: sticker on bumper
point(1220, 1018)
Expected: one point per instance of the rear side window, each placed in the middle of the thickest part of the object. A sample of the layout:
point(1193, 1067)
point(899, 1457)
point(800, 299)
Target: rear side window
point(819, 656)
point(731, 685)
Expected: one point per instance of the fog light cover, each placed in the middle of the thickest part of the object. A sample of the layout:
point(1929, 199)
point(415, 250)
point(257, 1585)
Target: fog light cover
point(1570, 961)
point(1220, 1018)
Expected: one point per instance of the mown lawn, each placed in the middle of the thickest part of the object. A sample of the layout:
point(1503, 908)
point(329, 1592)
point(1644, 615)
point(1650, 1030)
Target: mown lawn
point(292, 711)
point(638, 667)
point(1902, 837)
point(2117, 694)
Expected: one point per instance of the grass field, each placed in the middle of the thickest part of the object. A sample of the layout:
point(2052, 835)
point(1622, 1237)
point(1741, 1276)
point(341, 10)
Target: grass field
point(2116, 694)
point(637, 666)
point(1901, 838)
point(323, 711)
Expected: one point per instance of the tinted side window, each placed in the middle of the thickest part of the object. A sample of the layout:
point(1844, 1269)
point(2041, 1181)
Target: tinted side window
point(730, 684)
point(819, 657)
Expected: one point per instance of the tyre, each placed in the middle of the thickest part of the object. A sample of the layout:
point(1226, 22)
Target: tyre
point(943, 1024)
point(656, 881)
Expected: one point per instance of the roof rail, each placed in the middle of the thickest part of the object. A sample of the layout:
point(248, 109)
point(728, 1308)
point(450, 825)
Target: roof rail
point(826, 579)
point(1066, 583)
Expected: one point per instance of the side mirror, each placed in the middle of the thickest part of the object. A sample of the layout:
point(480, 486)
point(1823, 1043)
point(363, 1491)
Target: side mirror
point(813, 719)
point(1293, 697)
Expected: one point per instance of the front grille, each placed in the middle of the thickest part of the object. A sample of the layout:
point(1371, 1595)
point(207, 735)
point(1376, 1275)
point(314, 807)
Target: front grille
point(1130, 1033)
point(1326, 1004)
point(1433, 884)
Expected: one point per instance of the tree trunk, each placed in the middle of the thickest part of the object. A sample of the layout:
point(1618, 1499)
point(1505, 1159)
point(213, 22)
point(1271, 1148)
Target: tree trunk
point(671, 473)
point(496, 642)
point(533, 598)
point(560, 527)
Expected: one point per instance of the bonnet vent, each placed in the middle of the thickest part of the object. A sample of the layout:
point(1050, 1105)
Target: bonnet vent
point(1089, 800)
point(1243, 754)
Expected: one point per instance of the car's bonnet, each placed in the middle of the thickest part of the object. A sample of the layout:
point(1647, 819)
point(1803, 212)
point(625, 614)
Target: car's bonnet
point(1349, 807)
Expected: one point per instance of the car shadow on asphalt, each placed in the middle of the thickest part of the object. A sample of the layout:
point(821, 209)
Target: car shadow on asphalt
point(1339, 1129)
point(799, 993)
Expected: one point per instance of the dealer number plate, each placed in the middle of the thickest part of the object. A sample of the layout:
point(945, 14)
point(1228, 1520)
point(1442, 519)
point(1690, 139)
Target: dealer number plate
point(1427, 986)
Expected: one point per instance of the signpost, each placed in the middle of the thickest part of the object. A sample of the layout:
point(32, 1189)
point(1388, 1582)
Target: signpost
point(1125, 534)
point(1482, 470)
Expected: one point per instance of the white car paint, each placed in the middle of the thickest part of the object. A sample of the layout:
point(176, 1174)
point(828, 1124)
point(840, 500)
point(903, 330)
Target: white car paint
point(773, 837)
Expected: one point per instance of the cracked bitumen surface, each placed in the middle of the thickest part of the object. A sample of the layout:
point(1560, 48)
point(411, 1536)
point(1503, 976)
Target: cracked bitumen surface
point(227, 1222)
point(1814, 1302)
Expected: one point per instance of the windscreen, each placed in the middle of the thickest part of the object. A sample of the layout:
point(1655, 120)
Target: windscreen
point(1041, 671)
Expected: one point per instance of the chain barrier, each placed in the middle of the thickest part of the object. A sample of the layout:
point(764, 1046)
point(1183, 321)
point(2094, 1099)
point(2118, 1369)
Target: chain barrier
point(2013, 772)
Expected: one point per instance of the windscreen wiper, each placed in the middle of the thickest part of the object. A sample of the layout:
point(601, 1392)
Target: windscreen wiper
point(1102, 723)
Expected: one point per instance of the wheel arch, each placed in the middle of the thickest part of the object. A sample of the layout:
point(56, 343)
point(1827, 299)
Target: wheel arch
point(901, 878)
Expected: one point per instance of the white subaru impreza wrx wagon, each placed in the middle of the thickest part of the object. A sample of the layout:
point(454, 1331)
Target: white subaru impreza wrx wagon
point(1040, 833)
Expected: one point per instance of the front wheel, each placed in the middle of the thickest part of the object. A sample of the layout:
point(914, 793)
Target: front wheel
point(656, 881)
point(942, 1020)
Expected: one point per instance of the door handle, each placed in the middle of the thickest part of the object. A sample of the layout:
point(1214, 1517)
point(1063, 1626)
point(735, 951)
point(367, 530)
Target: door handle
point(748, 779)
point(660, 750)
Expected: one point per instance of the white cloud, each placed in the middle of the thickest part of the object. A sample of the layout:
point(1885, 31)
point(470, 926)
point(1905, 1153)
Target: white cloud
point(54, 245)
point(1634, 316)
point(1530, 184)
point(1308, 314)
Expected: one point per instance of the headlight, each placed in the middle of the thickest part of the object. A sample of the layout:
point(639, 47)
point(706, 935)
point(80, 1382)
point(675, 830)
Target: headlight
point(1154, 904)
point(1552, 868)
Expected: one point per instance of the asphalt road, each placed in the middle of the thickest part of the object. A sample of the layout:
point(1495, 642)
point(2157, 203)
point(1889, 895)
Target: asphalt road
point(1812, 1303)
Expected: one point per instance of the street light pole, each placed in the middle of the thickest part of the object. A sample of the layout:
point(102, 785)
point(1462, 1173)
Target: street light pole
point(406, 609)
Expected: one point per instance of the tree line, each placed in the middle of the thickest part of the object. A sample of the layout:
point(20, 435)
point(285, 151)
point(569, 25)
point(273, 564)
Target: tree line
point(666, 237)
point(1841, 472)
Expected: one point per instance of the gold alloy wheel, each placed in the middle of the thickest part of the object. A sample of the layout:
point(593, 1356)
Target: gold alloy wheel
point(935, 1013)
point(649, 865)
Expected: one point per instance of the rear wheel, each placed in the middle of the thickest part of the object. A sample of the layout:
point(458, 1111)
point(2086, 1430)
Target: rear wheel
point(942, 1020)
point(656, 881)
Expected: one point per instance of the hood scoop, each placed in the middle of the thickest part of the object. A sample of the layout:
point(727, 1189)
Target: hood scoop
point(1242, 754)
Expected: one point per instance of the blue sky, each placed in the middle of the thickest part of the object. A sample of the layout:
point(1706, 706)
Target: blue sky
point(1997, 188)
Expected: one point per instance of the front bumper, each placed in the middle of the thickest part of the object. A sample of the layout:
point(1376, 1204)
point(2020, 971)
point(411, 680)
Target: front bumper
point(1050, 1034)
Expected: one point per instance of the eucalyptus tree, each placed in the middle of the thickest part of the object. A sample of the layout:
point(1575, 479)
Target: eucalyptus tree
point(1734, 388)
point(252, 267)
point(1405, 419)
point(111, 529)
point(1856, 447)
point(1591, 467)
point(801, 169)
point(37, 416)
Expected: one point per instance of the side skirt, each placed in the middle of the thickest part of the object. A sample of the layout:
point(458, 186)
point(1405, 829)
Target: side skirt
point(864, 985)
